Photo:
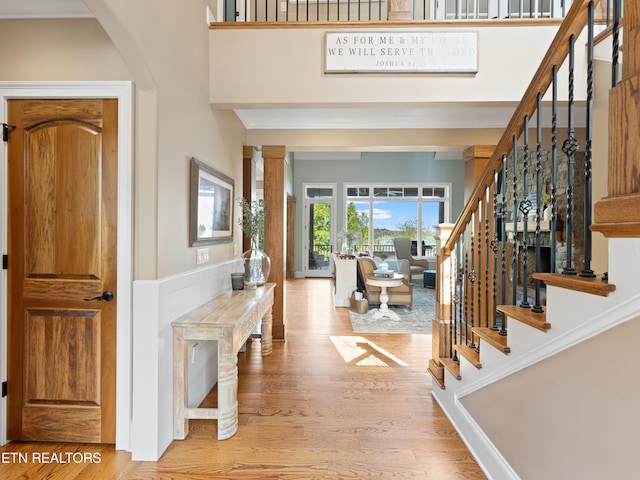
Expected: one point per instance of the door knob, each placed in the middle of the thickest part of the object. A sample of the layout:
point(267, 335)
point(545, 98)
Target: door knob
point(107, 296)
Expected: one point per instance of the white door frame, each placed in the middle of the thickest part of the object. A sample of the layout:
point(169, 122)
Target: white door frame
point(123, 91)
point(332, 239)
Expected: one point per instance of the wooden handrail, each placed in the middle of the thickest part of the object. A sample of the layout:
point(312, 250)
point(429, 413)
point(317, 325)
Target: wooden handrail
point(575, 21)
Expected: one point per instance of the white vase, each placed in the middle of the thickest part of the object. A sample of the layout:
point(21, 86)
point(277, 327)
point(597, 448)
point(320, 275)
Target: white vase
point(546, 214)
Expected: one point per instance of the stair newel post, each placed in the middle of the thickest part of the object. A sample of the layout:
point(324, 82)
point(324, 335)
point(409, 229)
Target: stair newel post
point(472, 276)
point(525, 208)
point(586, 270)
point(503, 239)
point(569, 147)
point(514, 261)
point(537, 307)
point(554, 169)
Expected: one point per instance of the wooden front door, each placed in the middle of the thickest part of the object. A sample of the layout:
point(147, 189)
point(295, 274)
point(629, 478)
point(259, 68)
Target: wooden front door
point(62, 181)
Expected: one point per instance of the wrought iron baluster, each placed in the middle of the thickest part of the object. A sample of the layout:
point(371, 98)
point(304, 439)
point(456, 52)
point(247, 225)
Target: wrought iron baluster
point(554, 168)
point(472, 278)
point(570, 147)
point(493, 245)
point(478, 265)
point(537, 307)
point(615, 72)
point(486, 256)
point(458, 297)
point(514, 262)
point(503, 235)
point(452, 334)
point(586, 270)
point(525, 208)
point(465, 297)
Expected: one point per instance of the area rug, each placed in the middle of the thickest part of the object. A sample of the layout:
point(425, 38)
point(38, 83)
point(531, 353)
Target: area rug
point(417, 320)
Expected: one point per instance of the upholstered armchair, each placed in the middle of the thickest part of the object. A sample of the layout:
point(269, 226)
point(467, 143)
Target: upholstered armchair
point(402, 295)
point(403, 251)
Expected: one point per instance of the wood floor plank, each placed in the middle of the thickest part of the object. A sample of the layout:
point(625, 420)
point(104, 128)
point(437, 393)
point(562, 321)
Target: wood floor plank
point(327, 404)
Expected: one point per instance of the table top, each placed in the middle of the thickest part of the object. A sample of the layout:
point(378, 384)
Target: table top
point(225, 309)
point(386, 281)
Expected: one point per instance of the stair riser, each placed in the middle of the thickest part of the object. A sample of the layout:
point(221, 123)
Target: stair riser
point(491, 357)
point(522, 338)
point(568, 309)
point(624, 265)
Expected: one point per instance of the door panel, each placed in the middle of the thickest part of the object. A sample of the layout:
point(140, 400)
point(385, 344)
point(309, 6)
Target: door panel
point(62, 254)
point(320, 238)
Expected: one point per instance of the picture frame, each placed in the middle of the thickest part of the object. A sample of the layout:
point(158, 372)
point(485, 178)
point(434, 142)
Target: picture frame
point(211, 205)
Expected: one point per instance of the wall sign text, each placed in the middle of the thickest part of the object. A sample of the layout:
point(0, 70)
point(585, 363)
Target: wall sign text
point(442, 51)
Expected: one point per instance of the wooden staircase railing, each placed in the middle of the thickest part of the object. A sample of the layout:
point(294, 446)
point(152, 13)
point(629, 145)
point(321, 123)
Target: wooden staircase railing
point(504, 246)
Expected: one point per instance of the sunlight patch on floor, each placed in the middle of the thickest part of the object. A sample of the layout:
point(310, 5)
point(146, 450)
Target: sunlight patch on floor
point(362, 352)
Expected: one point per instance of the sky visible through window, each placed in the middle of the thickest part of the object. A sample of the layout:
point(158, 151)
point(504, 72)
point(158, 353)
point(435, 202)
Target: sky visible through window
point(391, 214)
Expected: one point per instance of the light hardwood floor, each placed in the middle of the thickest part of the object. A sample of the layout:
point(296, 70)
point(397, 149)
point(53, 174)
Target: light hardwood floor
point(327, 404)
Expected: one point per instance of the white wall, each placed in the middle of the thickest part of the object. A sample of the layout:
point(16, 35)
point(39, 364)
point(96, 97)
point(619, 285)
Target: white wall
point(163, 47)
point(570, 416)
point(284, 67)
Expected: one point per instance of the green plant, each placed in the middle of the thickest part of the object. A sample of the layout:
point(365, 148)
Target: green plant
point(252, 220)
point(546, 200)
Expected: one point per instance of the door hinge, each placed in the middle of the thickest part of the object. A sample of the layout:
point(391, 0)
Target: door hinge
point(4, 389)
point(5, 262)
point(6, 128)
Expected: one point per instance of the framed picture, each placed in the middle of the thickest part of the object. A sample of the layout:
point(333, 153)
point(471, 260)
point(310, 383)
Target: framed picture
point(211, 205)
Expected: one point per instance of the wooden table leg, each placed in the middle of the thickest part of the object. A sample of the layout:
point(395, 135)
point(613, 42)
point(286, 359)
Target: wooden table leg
point(180, 372)
point(227, 390)
point(266, 334)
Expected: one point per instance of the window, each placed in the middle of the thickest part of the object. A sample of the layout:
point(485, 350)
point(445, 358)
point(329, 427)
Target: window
point(380, 213)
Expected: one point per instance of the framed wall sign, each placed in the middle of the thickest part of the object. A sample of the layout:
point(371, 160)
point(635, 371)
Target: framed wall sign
point(402, 51)
point(211, 205)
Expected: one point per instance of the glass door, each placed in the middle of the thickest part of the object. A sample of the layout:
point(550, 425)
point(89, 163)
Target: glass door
point(319, 229)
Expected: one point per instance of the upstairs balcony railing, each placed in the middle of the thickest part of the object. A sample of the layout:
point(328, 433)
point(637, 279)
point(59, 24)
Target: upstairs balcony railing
point(378, 10)
point(531, 211)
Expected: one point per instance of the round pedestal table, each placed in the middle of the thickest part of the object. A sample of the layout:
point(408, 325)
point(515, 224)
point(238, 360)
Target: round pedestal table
point(384, 283)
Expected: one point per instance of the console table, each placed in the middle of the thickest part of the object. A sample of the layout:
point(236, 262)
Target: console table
point(228, 318)
point(346, 276)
